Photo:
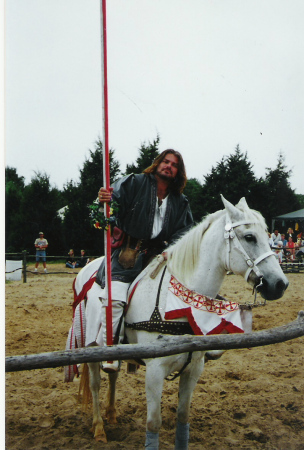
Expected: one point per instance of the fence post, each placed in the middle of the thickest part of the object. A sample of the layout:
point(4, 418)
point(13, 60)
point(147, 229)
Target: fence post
point(24, 266)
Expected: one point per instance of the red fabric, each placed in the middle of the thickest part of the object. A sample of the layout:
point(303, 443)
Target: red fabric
point(82, 294)
point(186, 312)
point(130, 297)
point(227, 326)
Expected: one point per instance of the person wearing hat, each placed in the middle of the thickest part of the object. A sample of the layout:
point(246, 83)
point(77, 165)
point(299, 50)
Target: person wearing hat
point(41, 244)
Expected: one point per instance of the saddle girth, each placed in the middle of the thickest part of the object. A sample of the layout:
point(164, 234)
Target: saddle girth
point(157, 324)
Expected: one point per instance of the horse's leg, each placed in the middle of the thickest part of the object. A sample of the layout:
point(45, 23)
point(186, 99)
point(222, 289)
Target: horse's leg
point(97, 429)
point(154, 387)
point(187, 383)
point(110, 409)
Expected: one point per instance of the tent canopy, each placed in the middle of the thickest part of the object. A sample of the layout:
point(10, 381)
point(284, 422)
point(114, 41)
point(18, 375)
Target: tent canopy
point(295, 215)
point(291, 218)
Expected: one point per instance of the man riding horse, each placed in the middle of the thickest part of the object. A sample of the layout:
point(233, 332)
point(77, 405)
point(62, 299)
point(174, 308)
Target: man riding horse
point(152, 214)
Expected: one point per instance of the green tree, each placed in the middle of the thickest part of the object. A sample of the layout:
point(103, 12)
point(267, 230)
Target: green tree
point(14, 188)
point(39, 209)
point(279, 197)
point(78, 230)
point(194, 193)
point(147, 154)
point(233, 177)
point(300, 198)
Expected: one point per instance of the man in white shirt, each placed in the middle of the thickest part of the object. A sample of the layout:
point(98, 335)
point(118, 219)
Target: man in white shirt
point(152, 213)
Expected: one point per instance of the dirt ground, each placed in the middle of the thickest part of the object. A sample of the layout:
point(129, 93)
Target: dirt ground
point(249, 399)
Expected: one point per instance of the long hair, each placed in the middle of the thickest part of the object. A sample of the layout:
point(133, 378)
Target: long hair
point(178, 185)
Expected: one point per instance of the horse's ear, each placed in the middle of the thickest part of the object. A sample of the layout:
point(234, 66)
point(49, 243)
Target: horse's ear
point(242, 204)
point(234, 213)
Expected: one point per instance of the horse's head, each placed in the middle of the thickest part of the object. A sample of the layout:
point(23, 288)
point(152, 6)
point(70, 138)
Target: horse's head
point(248, 252)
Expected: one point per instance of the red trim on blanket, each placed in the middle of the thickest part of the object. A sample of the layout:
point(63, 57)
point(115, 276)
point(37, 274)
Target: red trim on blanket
point(186, 312)
point(227, 326)
point(75, 368)
point(130, 296)
point(82, 294)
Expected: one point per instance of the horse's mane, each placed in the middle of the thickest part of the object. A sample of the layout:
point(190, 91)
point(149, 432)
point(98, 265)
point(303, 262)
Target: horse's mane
point(183, 255)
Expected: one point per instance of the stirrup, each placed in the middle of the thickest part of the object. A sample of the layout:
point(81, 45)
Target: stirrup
point(110, 367)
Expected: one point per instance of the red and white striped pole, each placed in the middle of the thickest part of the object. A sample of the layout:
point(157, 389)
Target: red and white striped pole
point(106, 165)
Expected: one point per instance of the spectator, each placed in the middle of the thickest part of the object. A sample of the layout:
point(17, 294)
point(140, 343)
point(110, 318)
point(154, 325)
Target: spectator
point(276, 237)
point(290, 233)
point(300, 252)
point(83, 260)
point(291, 248)
point(278, 252)
point(284, 241)
point(270, 240)
point(71, 261)
point(41, 244)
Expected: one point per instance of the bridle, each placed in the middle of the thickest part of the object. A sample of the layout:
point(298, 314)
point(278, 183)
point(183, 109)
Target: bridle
point(231, 238)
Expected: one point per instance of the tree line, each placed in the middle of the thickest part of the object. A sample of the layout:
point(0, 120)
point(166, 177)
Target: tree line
point(33, 207)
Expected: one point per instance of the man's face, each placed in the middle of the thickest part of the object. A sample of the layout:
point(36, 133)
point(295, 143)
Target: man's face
point(168, 168)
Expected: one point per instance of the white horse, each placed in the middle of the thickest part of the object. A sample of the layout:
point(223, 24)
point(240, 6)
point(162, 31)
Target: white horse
point(234, 239)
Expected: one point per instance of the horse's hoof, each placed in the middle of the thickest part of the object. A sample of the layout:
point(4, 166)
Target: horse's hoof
point(101, 438)
point(111, 416)
point(99, 433)
point(112, 420)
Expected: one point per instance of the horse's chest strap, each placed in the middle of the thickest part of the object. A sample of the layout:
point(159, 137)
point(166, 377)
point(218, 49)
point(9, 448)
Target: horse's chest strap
point(157, 324)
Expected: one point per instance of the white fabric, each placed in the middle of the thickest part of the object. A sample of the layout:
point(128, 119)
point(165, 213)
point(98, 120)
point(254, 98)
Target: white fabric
point(95, 310)
point(207, 313)
point(76, 337)
point(117, 311)
point(93, 314)
point(118, 289)
point(159, 217)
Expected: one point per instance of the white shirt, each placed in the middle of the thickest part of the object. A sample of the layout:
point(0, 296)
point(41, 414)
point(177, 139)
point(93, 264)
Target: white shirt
point(159, 216)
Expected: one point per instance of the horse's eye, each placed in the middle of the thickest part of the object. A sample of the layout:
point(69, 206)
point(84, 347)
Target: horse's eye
point(250, 238)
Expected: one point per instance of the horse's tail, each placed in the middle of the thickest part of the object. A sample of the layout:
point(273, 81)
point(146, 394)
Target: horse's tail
point(84, 387)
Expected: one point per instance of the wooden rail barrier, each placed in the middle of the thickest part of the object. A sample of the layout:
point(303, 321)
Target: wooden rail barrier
point(163, 346)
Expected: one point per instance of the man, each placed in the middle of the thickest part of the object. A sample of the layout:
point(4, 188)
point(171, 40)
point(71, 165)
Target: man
point(153, 213)
point(276, 237)
point(41, 245)
point(83, 260)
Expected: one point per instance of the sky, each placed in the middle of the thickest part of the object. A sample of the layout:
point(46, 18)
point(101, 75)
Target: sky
point(204, 75)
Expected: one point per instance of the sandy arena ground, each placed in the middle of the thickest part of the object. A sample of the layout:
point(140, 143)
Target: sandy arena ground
point(249, 399)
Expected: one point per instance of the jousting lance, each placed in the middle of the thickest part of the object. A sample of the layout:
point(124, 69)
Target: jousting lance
point(106, 166)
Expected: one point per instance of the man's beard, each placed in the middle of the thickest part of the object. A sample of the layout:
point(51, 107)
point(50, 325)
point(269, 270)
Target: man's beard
point(165, 176)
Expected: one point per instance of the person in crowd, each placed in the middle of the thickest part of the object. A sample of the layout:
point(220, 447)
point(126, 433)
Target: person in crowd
point(290, 249)
point(300, 252)
point(276, 238)
point(284, 241)
point(270, 240)
point(153, 213)
point(278, 252)
point(290, 233)
point(83, 260)
point(41, 244)
point(71, 260)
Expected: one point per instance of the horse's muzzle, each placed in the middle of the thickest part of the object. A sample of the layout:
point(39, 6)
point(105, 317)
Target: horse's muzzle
point(272, 290)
